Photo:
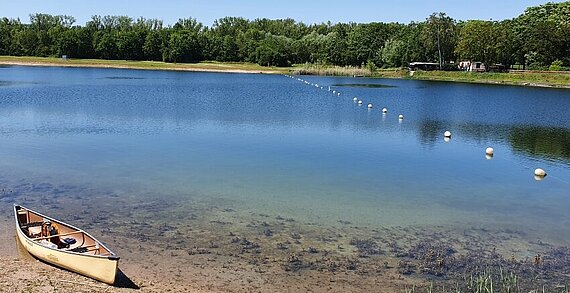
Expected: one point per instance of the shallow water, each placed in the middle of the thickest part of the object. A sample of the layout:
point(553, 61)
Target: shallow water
point(272, 145)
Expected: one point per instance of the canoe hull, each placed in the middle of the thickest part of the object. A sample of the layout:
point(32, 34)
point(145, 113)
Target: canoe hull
point(102, 268)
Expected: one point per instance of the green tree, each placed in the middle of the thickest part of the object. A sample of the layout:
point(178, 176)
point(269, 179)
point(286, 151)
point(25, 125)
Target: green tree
point(478, 41)
point(439, 37)
point(106, 45)
point(154, 45)
point(130, 44)
point(247, 42)
point(545, 31)
point(393, 53)
point(313, 48)
point(273, 51)
point(184, 46)
point(8, 27)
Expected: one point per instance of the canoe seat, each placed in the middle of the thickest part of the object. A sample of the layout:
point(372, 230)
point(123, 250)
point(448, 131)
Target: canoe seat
point(34, 228)
point(34, 231)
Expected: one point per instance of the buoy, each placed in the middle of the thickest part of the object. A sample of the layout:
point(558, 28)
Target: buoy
point(447, 134)
point(360, 102)
point(355, 99)
point(539, 172)
point(369, 106)
point(401, 117)
point(384, 110)
point(490, 151)
point(334, 92)
point(338, 94)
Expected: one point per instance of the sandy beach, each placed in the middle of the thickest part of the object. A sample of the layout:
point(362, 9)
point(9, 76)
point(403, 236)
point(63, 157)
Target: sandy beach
point(211, 251)
point(195, 273)
point(175, 67)
point(205, 253)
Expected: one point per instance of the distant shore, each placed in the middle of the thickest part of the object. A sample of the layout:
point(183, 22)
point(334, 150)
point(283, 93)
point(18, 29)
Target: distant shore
point(516, 78)
point(230, 67)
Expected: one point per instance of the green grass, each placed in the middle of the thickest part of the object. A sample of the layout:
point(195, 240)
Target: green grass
point(489, 281)
point(512, 78)
point(327, 70)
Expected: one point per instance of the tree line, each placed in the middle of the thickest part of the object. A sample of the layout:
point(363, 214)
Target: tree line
point(537, 39)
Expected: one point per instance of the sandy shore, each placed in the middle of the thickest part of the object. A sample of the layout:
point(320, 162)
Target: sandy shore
point(134, 66)
point(215, 245)
point(148, 267)
point(211, 249)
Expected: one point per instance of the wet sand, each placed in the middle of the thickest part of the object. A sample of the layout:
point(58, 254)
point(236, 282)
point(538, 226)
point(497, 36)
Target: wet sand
point(168, 245)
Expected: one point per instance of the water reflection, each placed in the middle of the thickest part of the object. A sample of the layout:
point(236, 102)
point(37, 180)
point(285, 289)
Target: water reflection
point(547, 143)
point(430, 132)
point(534, 142)
point(363, 85)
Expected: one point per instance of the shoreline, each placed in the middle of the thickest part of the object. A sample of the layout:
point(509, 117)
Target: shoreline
point(119, 66)
point(228, 249)
point(523, 79)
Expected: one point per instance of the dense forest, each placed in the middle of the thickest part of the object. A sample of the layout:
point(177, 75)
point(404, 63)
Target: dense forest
point(537, 39)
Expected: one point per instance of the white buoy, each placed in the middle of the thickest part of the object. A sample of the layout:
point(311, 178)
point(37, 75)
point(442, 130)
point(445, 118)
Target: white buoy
point(355, 99)
point(369, 106)
point(338, 94)
point(490, 151)
point(539, 172)
point(384, 110)
point(401, 117)
point(447, 134)
point(334, 92)
point(360, 102)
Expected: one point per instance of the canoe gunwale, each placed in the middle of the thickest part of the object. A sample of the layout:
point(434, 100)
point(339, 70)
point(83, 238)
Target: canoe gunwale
point(113, 256)
point(102, 267)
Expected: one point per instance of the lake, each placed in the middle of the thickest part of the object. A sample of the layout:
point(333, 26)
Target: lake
point(237, 149)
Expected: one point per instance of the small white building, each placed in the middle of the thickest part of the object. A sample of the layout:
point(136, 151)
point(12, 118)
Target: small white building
point(474, 66)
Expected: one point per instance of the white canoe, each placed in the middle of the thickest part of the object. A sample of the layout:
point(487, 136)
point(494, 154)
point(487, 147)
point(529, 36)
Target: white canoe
point(86, 256)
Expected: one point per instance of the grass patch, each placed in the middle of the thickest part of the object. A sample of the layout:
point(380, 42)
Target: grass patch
point(326, 70)
point(552, 79)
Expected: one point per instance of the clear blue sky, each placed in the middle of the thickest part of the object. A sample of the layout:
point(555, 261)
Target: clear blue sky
point(307, 11)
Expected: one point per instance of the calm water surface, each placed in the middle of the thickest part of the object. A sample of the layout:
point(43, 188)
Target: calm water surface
point(274, 145)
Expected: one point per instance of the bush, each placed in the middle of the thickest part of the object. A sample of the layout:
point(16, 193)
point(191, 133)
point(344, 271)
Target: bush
point(556, 65)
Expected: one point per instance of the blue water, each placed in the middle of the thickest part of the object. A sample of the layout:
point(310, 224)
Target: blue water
point(275, 145)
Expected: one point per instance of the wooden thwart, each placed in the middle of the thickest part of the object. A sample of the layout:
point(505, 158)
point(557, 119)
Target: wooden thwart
point(57, 235)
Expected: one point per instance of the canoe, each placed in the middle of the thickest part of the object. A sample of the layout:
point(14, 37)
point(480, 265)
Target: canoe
point(65, 246)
